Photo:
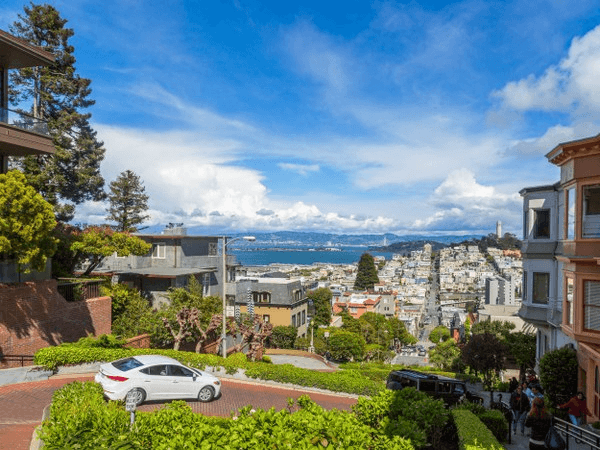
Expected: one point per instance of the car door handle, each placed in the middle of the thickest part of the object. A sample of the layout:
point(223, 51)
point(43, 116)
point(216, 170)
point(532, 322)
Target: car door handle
point(146, 381)
point(175, 381)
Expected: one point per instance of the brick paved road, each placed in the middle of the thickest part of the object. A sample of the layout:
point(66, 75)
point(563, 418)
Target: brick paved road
point(22, 405)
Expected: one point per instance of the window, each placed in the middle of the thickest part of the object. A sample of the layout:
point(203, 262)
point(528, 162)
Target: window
point(569, 300)
point(596, 392)
point(525, 225)
point(178, 371)
point(266, 318)
point(303, 317)
point(591, 305)
point(541, 225)
point(261, 297)
point(571, 203)
point(524, 287)
point(591, 212)
point(155, 370)
point(158, 250)
point(293, 320)
point(541, 287)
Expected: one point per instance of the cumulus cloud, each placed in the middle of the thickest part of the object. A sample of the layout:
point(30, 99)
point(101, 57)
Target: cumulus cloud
point(301, 169)
point(573, 84)
point(463, 203)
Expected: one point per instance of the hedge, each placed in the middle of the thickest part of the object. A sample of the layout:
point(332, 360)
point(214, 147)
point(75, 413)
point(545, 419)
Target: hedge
point(342, 381)
point(472, 432)
point(79, 418)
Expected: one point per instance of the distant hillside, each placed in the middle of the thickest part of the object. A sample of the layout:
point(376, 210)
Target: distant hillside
point(404, 248)
point(507, 242)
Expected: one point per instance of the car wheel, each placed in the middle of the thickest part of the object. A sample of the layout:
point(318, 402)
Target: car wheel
point(206, 394)
point(137, 396)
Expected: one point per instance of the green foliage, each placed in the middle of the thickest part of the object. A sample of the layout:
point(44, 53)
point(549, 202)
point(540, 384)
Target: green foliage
point(128, 202)
point(283, 336)
point(345, 345)
point(322, 300)
point(446, 356)
point(60, 96)
point(132, 314)
point(102, 341)
point(499, 328)
point(496, 423)
point(558, 374)
point(439, 333)
point(80, 419)
point(366, 275)
point(522, 346)
point(484, 353)
point(472, 433)
point(407, 412)
point(96, 243)
point(26, 223)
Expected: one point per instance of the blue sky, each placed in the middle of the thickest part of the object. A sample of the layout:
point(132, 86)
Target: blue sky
point(347, 117)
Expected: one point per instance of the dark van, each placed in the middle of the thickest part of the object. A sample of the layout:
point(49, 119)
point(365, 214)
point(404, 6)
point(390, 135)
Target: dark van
point(450, 390)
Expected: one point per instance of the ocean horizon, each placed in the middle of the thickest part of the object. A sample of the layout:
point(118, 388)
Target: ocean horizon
point(305, 257)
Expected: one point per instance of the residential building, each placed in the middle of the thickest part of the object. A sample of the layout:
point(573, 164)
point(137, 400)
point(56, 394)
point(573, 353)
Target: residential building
point(279, 301)
point(562, 260)
point(172, 260)
point(20, 134)
point(499, 291)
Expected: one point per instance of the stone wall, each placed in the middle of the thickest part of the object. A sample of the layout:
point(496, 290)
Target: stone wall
point(34, 315)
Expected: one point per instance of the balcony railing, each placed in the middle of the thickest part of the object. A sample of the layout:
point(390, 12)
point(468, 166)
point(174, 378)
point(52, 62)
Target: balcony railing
point(74, 291)
point(23, 121)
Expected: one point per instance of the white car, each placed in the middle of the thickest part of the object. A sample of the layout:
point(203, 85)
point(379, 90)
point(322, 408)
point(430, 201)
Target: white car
point(154, 377)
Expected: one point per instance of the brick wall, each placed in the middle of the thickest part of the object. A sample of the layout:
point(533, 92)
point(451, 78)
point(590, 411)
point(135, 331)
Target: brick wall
point(34, 315)
point(141, 341)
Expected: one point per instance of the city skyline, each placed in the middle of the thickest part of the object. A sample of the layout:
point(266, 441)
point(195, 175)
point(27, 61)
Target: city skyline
point(365, 117)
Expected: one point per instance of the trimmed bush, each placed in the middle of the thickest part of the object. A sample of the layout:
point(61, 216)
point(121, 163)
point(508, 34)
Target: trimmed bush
point(472, 432)
point(496, 422)
point(81, 419)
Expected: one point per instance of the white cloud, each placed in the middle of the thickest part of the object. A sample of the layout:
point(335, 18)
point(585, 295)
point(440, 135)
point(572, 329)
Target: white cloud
point(572, 85)
point(463, 203)
point(301, 169)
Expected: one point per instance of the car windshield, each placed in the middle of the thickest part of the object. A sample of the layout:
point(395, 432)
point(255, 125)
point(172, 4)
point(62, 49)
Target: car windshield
point(127, 364)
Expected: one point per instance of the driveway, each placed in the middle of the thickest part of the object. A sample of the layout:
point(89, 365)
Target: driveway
point(22, 405)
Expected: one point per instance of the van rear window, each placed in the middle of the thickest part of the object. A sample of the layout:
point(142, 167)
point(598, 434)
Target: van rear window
point(127, 364)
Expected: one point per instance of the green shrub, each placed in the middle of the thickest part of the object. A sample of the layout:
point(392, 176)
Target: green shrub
point(283, 337)
point(558, 375)
point(501, 386)
point(102, 341)
point(81, 419)
point(345, 345)
point(472, 433)
point(496, 422)
point(266, 359)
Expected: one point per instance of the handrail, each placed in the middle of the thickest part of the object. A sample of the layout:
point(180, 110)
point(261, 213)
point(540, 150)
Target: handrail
point(580, 434)
point(22, 358)
point(24, 121)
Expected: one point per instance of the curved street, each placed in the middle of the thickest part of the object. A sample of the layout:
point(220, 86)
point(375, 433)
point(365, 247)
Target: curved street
point(22, 405)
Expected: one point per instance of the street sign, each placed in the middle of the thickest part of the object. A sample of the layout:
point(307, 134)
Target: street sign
point(130, 402)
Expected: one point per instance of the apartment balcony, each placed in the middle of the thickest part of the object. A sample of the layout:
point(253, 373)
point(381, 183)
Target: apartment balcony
point(22, 134)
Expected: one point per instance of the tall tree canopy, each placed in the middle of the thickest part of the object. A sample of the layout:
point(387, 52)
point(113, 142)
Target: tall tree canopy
point(58, 95)
point(96, 243)
point(26, 223)
point(322, 300)
point(128, 202)
point(366, 276)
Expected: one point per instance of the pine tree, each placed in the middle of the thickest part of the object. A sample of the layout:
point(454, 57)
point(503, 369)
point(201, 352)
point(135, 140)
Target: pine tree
point(128, 202)
point(58, 95)
point(366, 276)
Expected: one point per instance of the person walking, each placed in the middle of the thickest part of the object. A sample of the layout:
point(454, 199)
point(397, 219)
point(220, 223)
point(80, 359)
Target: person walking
point(577, 409)
point(512, 386)
point(539, 420)
point(519, 403)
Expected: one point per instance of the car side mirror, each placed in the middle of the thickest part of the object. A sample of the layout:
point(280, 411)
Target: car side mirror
point(194, 377)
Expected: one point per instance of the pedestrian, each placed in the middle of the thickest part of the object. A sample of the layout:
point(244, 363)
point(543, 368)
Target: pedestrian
point(512, 386)
point(577, 407)
point(539, 420)
point(534, 390)
point(519, 403)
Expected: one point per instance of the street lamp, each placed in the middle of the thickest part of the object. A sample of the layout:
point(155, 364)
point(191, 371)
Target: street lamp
point(224, 283)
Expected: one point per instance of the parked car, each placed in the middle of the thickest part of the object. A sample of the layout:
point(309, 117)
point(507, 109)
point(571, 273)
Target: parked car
point(450, 390)
point(154, 377)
